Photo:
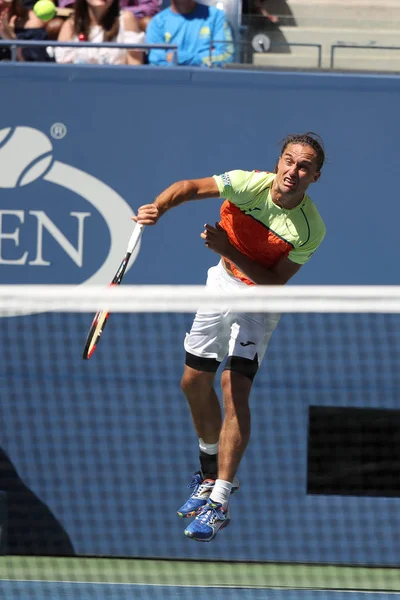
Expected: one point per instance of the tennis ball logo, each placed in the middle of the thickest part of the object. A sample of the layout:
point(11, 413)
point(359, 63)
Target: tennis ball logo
point(25, 155)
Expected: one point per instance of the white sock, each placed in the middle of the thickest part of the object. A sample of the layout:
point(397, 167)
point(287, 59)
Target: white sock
point(208, 448)
point(221, 491)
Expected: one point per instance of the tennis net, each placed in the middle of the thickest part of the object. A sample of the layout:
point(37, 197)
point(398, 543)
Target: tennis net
point(95, 456)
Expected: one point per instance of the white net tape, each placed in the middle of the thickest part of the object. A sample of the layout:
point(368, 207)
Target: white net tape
point(24, 299)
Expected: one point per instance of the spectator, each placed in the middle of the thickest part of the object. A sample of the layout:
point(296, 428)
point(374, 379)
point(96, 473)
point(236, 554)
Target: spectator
point(53, 27)
point(100, 21)
point(193, 28)
point(66, 4)
point(21, 23)
point(4, 7)
point(143, 10)
point(256, 8)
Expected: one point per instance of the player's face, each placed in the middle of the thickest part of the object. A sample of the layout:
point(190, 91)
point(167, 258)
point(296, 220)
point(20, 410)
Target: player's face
point(296, 169)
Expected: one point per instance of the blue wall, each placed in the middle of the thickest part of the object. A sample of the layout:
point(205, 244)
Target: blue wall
point(93, 450)
point(139, 130)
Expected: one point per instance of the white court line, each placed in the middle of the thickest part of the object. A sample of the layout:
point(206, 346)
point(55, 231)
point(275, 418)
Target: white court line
point(181, 585)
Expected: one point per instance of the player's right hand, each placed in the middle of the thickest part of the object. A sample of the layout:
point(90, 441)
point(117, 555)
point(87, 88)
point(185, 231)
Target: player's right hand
point(148, 214)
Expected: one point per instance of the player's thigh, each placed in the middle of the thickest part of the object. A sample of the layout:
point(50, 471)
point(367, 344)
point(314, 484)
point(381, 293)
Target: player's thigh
point(250, 334)
point(210, 331)
point(209, 335)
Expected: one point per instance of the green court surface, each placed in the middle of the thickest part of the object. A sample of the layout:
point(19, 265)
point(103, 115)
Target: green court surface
point(196, 573)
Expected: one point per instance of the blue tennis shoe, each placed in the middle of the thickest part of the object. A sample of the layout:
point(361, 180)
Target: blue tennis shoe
point(211, 518)
point(202, 489)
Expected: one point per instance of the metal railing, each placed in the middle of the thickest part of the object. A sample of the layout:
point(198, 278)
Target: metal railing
point(15, 44)
point(334, 47)
point(265, 51)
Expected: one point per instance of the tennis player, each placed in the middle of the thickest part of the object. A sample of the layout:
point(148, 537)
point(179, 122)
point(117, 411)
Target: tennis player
point(269, 228)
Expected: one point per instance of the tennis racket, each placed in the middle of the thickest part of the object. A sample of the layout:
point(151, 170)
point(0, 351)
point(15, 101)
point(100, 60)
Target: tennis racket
point(101, 317)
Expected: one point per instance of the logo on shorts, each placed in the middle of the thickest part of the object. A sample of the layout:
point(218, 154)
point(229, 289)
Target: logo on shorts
point(247, 343)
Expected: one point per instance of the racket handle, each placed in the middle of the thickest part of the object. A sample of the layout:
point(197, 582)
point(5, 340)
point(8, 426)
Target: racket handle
point(135, 237)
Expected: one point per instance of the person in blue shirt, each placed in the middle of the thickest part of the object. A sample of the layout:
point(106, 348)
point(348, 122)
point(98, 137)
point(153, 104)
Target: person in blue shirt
point(193, 28)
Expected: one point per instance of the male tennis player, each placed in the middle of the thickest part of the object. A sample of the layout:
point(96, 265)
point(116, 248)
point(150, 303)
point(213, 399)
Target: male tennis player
point(269, 228)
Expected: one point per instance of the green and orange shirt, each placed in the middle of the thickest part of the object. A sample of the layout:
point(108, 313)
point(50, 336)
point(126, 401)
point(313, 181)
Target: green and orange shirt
point(261, 229)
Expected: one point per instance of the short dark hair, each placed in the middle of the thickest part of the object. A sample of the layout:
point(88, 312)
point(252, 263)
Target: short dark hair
point(306, 139)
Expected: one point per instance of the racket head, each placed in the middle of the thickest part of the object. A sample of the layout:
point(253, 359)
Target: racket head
point(101, 317)
point(95, 331)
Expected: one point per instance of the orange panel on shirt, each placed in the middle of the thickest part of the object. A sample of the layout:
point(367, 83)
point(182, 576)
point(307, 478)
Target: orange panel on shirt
point(252, 238)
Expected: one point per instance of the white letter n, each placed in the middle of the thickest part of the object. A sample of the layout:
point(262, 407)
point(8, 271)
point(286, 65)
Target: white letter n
point(76, 254)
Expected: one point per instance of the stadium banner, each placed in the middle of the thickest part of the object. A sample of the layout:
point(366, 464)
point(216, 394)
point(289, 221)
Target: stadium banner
point(81, 148)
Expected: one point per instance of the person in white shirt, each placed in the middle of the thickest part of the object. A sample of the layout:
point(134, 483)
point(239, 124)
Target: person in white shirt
point(100, 21)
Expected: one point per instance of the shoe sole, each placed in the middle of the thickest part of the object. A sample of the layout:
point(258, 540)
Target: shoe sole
point(193, 537)
point(194, 513)
point(188, 515)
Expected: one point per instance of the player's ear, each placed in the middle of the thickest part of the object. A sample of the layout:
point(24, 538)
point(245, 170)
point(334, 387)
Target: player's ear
point(276, 166)
point(317, 176)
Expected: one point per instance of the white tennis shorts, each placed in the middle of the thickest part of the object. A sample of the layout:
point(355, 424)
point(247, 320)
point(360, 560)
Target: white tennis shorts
point(226, 333)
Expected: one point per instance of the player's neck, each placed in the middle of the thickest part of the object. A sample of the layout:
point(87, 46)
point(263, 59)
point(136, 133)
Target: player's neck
point(285, 200)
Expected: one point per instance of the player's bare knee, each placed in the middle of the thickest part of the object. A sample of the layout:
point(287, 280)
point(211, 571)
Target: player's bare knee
point(187, 383)
point(199, 372)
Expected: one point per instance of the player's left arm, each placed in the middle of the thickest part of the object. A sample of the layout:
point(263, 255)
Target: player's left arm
point(216, 239)
point(279, 274)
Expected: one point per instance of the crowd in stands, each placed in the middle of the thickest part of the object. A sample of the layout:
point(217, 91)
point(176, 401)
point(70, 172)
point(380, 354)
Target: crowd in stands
point(201, 33)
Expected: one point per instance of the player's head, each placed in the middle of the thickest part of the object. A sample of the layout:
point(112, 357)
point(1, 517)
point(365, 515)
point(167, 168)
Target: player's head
point(300, 163)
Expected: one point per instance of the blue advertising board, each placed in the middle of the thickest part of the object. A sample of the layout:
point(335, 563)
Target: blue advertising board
point(80, 149)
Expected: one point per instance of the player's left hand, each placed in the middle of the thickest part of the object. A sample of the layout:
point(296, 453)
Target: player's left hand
point(216, 239)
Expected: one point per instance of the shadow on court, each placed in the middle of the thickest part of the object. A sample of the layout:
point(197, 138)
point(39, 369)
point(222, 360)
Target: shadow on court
point(32, 529)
